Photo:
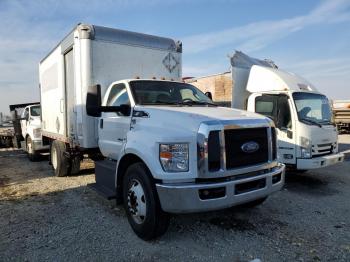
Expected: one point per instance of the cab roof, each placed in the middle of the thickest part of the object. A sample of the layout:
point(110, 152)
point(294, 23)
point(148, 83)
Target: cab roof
point(263, 79)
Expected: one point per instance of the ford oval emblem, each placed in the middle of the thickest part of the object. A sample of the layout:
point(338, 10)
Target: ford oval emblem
point(250, 147)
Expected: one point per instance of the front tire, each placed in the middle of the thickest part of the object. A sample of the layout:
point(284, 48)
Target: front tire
point(142, 205)
point(59, 162)
point(32, 154)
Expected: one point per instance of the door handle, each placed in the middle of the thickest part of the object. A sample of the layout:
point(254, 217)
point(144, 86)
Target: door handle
point(61, 105)
point(101, 123)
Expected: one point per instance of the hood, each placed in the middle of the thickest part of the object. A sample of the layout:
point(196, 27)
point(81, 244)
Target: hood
point(190, 117)
point(319, 135)
point(206, 113)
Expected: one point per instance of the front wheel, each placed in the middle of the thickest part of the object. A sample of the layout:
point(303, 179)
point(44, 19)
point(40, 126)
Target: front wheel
point(32, 154)
point(142, 205)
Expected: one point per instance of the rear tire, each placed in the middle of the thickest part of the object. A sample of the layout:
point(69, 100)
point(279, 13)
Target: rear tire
point(59, 162)
point(142, 205)
point(32, 154)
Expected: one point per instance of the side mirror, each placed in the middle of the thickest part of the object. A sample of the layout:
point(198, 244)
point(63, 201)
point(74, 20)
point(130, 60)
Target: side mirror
point(93, 101)
point(208, 94)
point(125, 109)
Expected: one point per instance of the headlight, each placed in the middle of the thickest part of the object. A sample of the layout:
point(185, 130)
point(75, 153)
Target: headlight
point(37, 133)
point(305, 144)
point(174, 157)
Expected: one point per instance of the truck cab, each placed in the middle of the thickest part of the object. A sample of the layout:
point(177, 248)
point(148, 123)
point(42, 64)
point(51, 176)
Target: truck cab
point(30, 122)
point(307, 136)
point(191, 154)
point(306, 133)
point(160, 146)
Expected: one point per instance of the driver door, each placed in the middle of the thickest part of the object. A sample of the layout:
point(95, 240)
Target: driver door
point(113, 127)
point(278, 108)
point(24, 122)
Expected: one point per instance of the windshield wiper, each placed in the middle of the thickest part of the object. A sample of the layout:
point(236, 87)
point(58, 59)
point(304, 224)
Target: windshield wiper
point(161, 103)
point(197, 103)
point(306, 120)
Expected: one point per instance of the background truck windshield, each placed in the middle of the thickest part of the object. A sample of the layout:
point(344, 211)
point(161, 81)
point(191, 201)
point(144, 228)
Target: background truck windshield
point(172, 93)
point(35, 111)
point(313, 108)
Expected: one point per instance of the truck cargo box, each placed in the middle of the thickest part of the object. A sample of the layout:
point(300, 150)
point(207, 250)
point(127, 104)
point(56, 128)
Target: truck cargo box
point(92, 55)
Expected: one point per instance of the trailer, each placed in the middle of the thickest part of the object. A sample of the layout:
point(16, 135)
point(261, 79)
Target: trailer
point(341, 112)
point(6, 134)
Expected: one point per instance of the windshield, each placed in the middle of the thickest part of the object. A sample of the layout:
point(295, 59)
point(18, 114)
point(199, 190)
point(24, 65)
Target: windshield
point(35, 111)
point(167, 93)
point(313, 108)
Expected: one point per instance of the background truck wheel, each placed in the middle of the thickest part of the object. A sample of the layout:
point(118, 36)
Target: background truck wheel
point(9, 143)
point(59, 162)
point(32, 155)
point(142, 205)
point(254, 203)
point(75, 165)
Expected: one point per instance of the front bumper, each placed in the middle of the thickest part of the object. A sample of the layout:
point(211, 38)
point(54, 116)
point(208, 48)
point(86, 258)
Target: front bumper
point(317, 162)
point(186, 198)
point(38, 145)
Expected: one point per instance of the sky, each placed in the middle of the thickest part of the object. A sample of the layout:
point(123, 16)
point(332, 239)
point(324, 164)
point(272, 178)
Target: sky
point(310, 38)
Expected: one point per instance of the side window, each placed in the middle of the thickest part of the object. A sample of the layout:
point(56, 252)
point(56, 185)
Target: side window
point(118, 96)
point(266, 105)
point(284, 115)
point(275, 107)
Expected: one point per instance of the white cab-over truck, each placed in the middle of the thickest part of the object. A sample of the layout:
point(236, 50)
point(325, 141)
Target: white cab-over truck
point(26, 120)
point(163, 146)
point(307, 136)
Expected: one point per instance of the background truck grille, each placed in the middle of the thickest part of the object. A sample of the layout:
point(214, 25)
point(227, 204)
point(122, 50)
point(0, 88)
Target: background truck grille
point(235, 138)
point(322, 149)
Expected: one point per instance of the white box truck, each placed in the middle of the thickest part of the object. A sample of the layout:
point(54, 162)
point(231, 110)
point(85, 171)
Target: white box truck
point(26, 119)
point(307, 136)
point(164, 147)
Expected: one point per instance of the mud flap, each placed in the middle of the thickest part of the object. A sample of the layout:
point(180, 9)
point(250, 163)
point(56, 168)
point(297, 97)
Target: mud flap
point(105, 178)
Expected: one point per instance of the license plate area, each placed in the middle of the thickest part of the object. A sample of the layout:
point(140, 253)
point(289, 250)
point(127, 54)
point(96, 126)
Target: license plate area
point(250, 186)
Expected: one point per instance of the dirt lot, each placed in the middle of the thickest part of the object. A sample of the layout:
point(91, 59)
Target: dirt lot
point(45, 218)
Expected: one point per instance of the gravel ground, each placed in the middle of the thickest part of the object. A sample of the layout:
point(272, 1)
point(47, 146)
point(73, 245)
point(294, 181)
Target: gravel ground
point(45, 218)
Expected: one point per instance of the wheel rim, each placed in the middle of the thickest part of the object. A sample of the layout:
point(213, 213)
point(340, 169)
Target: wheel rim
point(137, 201)
point(54, 157)
point(29, 147)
